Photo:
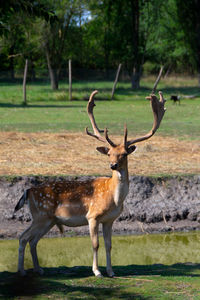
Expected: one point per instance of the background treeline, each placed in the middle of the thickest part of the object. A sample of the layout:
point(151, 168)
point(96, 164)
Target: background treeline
point(142, 35)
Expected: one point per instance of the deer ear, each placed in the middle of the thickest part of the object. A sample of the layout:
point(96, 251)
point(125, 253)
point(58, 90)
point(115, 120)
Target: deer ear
point(103, 150)
point(131, 149)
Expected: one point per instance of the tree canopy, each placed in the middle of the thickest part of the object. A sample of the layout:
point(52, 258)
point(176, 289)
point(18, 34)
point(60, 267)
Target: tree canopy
point(100, 34)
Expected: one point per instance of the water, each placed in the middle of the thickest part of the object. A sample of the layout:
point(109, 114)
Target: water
point(149, 249)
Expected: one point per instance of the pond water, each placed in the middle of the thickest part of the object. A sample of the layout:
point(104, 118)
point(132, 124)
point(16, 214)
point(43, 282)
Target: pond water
point(126, 250)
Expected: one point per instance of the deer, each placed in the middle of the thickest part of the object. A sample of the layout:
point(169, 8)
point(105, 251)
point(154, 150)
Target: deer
point(176, 98)
point(91, 202)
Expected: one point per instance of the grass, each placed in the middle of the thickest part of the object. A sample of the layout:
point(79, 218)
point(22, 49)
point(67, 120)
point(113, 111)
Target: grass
point(146, 268)
point(154, 267)
point(50, 111)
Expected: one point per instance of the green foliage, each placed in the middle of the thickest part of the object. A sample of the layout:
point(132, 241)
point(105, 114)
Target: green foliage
point(188, 15)
point(10, 9)
point(166, 43)
point(100, 35)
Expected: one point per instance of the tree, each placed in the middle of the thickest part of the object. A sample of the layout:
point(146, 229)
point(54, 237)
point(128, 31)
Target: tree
point(189, 17)
point(10, 8)
point(54, 36)
point(16, 22)
point(127, 45)
point(165, 43)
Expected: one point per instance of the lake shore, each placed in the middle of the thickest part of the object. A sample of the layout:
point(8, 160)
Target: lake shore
point(153, 205)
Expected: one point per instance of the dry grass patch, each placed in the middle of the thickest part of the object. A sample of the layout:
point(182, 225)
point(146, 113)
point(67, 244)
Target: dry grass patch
point(74, 154)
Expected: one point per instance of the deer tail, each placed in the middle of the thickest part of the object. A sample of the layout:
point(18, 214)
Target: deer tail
point(21, 201)
point(60, 227)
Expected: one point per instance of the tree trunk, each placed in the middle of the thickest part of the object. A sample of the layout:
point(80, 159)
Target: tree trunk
point(116, 80)
point(33, 75)
point(157, 80)
point(52, 73)
point(135, 79)
point(198, 55)
point(24, 82)
point(53, 78)
point(70, 80)
point(168, 71)
point(197, 29)
point(199, 79)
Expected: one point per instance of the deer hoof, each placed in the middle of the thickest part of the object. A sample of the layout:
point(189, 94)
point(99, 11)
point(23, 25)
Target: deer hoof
point(22, 273)
point(97, 273)
point(111, 274)
point(40, 271)
point(99, 276)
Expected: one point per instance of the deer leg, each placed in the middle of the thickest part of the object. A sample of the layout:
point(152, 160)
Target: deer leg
point(107, 233)
point(93, 227)
point(40, 229)
point(22, 245)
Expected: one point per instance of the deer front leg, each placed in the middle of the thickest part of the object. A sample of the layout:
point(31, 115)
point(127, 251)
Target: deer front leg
point(107, 233)
point(93, 227)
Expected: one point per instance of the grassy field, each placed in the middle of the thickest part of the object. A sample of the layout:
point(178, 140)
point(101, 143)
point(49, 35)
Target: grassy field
point(43, 144)
point(175, 282)
point(50, 111)
point(154, 267)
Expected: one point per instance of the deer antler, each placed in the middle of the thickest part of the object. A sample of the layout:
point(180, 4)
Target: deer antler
point(158, 108)
point(97, 131)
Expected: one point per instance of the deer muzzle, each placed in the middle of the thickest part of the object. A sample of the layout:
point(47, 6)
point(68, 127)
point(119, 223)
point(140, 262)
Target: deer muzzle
point(114, 166)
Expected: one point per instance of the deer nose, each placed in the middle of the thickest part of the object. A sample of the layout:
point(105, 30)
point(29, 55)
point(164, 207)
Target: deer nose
point(114, 166)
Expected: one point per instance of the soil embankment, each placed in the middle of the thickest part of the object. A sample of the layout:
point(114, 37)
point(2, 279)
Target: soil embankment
point(152, 205)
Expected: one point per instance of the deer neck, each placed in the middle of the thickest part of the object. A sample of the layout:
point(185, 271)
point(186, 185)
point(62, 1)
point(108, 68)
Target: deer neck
point(120, 182)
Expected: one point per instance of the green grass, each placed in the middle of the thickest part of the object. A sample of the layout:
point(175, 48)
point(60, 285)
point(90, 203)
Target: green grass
point(147, 267)
point(51, 111)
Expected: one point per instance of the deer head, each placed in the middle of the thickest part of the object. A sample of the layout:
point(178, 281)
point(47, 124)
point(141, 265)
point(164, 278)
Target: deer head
point(118, 153)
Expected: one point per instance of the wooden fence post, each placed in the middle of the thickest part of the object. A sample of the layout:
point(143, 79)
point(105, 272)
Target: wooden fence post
point(116, 80)
point(157, 80)
point(70, 80)
point(24, 82)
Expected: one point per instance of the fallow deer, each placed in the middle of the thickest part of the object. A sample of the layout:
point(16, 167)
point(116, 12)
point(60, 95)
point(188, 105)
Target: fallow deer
point(77, 203)
point(176, 98)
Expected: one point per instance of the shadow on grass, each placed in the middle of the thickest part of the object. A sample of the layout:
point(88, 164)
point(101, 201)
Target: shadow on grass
point(180, 269)
point(60, 282)
point(185, 90)
point(77, 281)
point(188, 90)
point(12, 105)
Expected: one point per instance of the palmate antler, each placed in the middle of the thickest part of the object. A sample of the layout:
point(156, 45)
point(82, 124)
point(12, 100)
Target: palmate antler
point(158, 108)
point(97, 131)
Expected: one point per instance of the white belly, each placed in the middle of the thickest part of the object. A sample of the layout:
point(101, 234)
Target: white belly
point(72, 221)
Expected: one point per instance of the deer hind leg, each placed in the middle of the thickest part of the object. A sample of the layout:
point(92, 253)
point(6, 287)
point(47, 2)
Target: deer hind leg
point(32, 235)
point(93, 227)
point(39, 230)
point(107, 233)
point(24, 238)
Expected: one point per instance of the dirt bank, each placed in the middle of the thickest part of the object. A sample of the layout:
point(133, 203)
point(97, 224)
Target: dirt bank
point(152, 205)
